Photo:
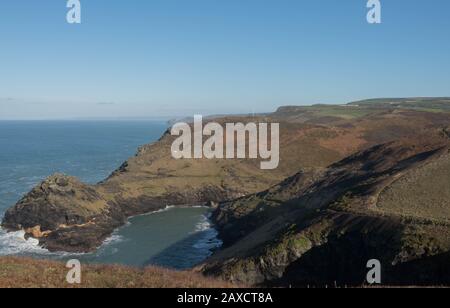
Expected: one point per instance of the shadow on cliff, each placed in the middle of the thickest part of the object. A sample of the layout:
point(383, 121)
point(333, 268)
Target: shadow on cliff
point(328, 265)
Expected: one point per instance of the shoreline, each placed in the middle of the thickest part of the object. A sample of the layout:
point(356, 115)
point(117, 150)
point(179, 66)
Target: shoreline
point(36, 251)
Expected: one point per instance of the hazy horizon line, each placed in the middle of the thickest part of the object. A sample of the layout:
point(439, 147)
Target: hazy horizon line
point(210, 114)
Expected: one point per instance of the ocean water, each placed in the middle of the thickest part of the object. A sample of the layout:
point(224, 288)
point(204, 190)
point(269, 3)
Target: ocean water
point(32, 150)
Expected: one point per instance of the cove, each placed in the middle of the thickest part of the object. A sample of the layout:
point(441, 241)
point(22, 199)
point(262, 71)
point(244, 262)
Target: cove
point(178, 238)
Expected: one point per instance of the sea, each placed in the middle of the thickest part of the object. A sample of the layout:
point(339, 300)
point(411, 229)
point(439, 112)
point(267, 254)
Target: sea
point(176, 237)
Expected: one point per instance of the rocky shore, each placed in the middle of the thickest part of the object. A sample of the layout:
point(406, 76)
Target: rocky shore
point(67, 215)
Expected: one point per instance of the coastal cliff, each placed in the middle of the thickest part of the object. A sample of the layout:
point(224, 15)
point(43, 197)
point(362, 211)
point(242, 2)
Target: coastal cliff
point(355, 182)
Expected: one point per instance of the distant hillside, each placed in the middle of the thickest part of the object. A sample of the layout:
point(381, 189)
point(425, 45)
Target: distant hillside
point(326, 114)
point(431, 104)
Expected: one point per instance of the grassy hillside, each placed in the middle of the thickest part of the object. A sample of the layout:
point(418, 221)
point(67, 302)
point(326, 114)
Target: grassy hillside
point(29, 273)
point(327, 114)
point(320, 227)
point(431, 104)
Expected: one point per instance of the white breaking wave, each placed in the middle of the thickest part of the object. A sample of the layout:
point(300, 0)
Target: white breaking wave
point(167, 208)
point(209, 240)
point(14, 243)
point(107, 247)
point(203, 225)
point(113, 239)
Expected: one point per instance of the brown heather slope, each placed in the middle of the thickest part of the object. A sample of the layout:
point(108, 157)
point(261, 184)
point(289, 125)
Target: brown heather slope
point(322, 227)
point(29, 273)
point(70, 216)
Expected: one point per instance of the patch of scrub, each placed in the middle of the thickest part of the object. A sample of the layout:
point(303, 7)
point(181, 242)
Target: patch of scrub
point(423, 192)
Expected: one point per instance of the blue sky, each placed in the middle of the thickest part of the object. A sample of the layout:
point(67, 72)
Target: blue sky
point(145, 58)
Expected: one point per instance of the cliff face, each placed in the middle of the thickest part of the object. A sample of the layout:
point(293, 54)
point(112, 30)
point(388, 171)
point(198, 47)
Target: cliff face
point(319, 228)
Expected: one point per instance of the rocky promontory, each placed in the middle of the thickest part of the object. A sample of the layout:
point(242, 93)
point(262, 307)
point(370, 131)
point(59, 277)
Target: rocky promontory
point(65, 214)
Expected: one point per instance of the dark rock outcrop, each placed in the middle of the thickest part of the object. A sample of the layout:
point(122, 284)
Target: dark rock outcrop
point(65, 214)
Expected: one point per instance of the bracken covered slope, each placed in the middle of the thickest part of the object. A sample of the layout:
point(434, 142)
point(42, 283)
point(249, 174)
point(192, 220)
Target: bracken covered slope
point(390, 202)
point(29, 273)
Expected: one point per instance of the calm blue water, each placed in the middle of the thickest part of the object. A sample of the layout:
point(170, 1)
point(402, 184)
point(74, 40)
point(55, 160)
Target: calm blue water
point(32, 150)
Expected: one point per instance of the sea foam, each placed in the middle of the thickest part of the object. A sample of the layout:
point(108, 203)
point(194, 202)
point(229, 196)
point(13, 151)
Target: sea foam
point(14, 243)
